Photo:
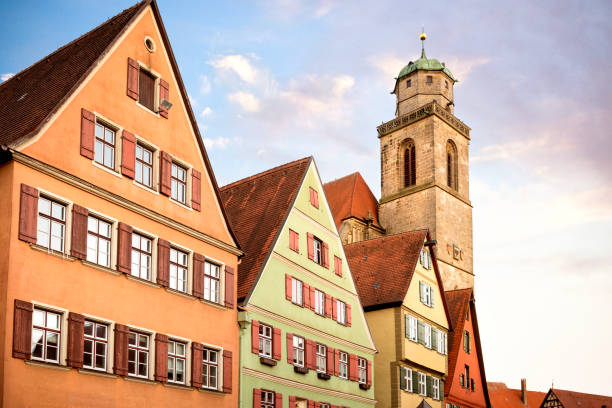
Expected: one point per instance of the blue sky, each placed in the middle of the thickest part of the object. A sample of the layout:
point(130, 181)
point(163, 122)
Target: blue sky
point(275, 80)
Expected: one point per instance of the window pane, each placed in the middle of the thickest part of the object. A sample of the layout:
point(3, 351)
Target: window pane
point(105, 229)
point(180, 370)
point(92, 224)
point(98, 151)
point(109, 136)
point(143, 341)
point(109, 160)
point(53, 321)
point(180, 349)
point(37, 343)
point(44, 206)
point(38, 318)
point(138, 152)
point(132, 338)
point(101, 331)
point(146, 176)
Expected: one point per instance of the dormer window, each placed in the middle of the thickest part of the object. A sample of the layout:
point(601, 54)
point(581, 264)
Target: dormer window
point(425, 258)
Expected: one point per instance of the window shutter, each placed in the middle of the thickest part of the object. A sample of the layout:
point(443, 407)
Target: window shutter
point(330, 361)
point(415, 381)
point(289, 348)
point(461, 381)
point(28, 214)
point(196, 190)
point(278, 399)
point(121, 349)
point(276, 344)
point(403, 382)
point(163, 262)
point(337, 266)
point(335, 309)
point(337, 362)
point(229, 287)
point(287, 287)
point(227, 371)
point(465, 341)
point(310, 239)
point(164, 92)
point(407, 326)
point(369, 374)
point(311, 355)
point(76, 324)
point(353, 374)
point(196, 364)
point(255, 337)
point(165, 168)
point(441, 389)
point(306, 295)
point(348, 315)
point(328, 305)
point(78, 241)
point(22, 329)
point(429, 386)
point(128, 154)
point(420, 332)
point(124, 249)
point(431, 296)
point(161, 357)
point(422, 291)
point(88, 128)
point(311, 404)
point(434, 338)
point(291, 402)
point(198, 275)
point(325, 255)
point(256, 398)
point(132, 78)
point(312, 298)
point(296, 242)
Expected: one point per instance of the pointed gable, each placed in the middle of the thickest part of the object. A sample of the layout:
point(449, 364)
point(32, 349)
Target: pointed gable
point(257, 207)
point(573, 399)
point(350, 196)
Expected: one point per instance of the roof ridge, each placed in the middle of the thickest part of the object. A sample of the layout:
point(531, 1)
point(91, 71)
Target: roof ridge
point(265, 173)
point(341, 178)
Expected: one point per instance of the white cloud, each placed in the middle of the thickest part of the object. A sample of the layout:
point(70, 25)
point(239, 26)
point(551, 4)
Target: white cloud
point(204, 84)
point(4, 77)
point(246, 100)
point(238, 64)
point(220, 142)
point(388, 64)
point(207, 111)
point(192, 100)
point(462, 67)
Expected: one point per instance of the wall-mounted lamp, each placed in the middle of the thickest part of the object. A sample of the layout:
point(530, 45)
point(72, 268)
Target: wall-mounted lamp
point(166, 104)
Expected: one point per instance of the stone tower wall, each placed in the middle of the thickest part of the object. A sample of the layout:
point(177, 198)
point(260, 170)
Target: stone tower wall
point(420, 92)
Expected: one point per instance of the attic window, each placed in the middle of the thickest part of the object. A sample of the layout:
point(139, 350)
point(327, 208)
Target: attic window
point(150, 44)
point(429, 80)
point(408, 83)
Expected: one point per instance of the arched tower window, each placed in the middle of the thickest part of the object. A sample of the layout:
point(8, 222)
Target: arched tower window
point(451, 165)
point(409, 164)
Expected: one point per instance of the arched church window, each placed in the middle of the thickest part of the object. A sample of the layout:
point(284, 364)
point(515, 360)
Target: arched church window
point(451, 165)
point(409, 164)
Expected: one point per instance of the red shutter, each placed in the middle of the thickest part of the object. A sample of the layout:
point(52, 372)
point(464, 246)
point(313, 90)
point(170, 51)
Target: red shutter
point(287, 287)
point(334, 309)
point(278, 400)
point(325, 255)
point(76, 324)
point(337, 362)
point(330, 361)
point(276, 344)
point(196, 364)
point(227, 371)
point(292, 401)
point(198, 275)
point(88, 128)
point(255, 337)
point(337, 266)
point(78, 241)
point(353, 374)
point(256, 398)
point(314, 197)
point(310, 239)
point(121, 349)
point(369, 374)
point(348, 315)
point(312, 298)
point(328, 305)
point(311, 355)
point(163, 262)
point(132, 78)
point(163, 94)
point(22, 329)
point(161, 357)
point(229, 287)
point(124, 248)
point(311, 404)
point(28, 214)
point(128, 154)
point(165, 168)
point(306, 295)
point(196, 190)
point(289, 348)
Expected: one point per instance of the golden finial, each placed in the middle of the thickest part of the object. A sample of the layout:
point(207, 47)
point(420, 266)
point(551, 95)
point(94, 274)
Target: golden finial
point(423, 37)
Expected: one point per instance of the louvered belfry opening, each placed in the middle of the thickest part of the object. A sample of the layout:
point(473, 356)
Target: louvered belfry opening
point(409, 165)
point(146, 85)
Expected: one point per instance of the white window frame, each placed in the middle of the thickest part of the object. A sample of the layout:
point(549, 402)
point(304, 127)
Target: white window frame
point(174, 357)
point(67, 221)
point(321, 358)
point(209, 279)
point(95, 340)
point(142, 236)
point(138, 163)
point(265, 340)
point(425, 259)
point(98, 237)
point(268, 399)
point(413, 328)
point(210, 363)
point(427, 335)
point(317, 248)
point(408, 378)
point(422, 384)
point(298, 351)
point(340, 311)
point(45, 329)
point(173, 182)
point(104, 121)
point(426, 294)
point(319, 302)
point(343, 362)
point(435, 385)
point(297, 291)
point(362, 370)
point(441, 342)
point(179, 266)
point(149, 352)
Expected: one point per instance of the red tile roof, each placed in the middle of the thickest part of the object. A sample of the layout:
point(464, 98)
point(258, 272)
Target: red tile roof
point(30, 97)
point(503, 397)
point(257, 207)
point(350, 196)
point(573, 399)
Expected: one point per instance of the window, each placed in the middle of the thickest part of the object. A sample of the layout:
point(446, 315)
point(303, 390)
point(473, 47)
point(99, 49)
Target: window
point(317, 244)
point(178, 270)
point(426, 292)
point(138, 354)
point(95, 345)
point(296, 291)
point(212, 282)
point(141, 256)
point(324, 405)
point(425, 258)
point(409, 83)
point(436, 388)
point(210, 368)
point(462, 380)
point(466, 376)
point(343, 365)
point(466, 342)
point(178, 183)
point(298, 351)
point(46, 329)
point(409, 164)
point(319, 302)
point(98, 241)
point(408, 379)
point(442, 343)
point(427, 335)
point(267, 399)
point(472, 384)
point(429, 80)
point(451, 165)
point(341, 312)
point(321, 358)
point(176, 362)
point(449, 405)
point(51, 224)
point(104, 148)
point(412, 328)
point(144, 166)
point(362, 370)
point(146, 89)
point(265, 341)
point(422, 384)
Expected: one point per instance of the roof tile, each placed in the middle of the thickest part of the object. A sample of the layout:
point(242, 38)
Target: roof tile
point(350, 196)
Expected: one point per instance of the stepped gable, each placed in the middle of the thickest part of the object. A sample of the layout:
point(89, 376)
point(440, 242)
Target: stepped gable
point(257, 208)
point(350, 196)
point(30, 97)
point(503, 397)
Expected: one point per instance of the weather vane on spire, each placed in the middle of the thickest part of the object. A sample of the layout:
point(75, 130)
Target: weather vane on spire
point(423, 37)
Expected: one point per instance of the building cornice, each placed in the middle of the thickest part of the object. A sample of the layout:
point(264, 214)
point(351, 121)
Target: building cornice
point(420, 187)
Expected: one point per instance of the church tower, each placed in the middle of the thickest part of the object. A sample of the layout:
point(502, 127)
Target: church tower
point(424, 167)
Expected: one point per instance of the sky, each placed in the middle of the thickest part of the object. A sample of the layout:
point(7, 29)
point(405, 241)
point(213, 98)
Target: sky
point(272, 81)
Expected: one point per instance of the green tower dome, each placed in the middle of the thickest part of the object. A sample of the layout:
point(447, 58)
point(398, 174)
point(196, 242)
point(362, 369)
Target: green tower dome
point(425, 64)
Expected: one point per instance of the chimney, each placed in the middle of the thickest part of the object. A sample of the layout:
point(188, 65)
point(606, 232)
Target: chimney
point(524, 391)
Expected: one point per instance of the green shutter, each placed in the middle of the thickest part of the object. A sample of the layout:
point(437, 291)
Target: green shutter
point(461, 382)
point(422, 291)
point(434, 338)
point(465, 341)
point(407, 324)
point(415, 381)
point(441, 390)
point(421, 332)
point(431, 296)
point(429, 386)
point(403, 378)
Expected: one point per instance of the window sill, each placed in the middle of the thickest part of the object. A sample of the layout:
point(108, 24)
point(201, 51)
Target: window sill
point(178, 292)
point(147, 109)
point(139, 380)
point(209, 390)
point(213, 304)
point(177, 386)
point(100, 267)
point(106, 169)
point(323, 376)
point(143, 281)
point(146, 188)
point(300, 370)
point(267, 361)
point(52, 252)
point(97, 373)
point(172, 200)
point(364, 386)
point(53, 366)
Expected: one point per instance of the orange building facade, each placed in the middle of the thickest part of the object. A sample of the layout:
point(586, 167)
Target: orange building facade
point(117, 263)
